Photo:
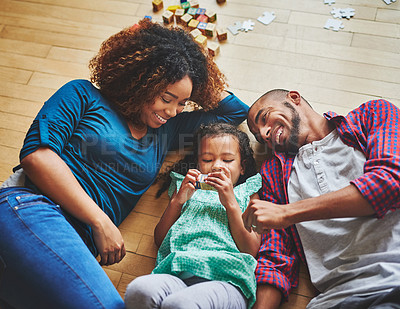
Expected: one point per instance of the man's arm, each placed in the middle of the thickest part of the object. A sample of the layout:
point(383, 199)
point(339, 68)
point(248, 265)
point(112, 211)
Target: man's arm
point(346, 202)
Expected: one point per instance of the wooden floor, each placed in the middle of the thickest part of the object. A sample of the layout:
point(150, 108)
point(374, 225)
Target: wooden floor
point(45, 43)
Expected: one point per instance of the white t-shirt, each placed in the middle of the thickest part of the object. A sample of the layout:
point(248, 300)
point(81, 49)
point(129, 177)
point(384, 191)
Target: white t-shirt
point(346, 256)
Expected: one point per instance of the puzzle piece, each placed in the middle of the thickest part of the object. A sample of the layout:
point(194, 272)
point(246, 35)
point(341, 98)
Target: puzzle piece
point(333, 24)
point(389, 1)
point(347, 13)
point(336, 13)
point(330, 2)
point(235, 28)
point(343, 13)
point(247, 25)
point(266, 18)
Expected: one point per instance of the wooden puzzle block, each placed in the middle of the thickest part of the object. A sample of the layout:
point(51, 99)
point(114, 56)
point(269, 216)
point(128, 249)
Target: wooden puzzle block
point(194, 3)
point(178, 15)
point(185, 19)
point(185, 6)
point(202, 18)
point(200, 11)
point(202, 27)
point(202, 40)
point(193, 23)
point(213, 48)
point(222, 34)
point(192, 11)
point(195, 33)
point(212, 16)
point(210, 30)
point(157, 5)
point(173, 8)
point(221, 1)
point(168, 17)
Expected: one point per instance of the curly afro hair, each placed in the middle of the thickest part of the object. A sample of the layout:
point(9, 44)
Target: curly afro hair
point(137, 64)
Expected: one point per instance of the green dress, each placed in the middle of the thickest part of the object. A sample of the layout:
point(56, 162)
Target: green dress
point(200, 242)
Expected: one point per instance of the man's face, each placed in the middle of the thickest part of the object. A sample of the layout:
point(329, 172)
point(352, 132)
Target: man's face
point(275, 123)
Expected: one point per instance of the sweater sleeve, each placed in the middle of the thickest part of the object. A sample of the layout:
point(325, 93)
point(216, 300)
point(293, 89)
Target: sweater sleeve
point(58, 118)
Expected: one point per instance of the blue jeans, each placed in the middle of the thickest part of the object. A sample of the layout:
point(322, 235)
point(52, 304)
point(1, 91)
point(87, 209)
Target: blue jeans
point(46, 263)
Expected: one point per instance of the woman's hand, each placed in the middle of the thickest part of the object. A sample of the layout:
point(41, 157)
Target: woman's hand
point(187, 187)
point(221, 181)
point(108, 241)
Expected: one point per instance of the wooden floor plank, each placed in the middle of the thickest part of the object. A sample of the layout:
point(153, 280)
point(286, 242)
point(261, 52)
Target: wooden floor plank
point(45, 43)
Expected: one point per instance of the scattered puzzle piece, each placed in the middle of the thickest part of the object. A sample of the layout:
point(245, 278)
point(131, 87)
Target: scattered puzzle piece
point(336, 13)
point(343, 13)
point(266, 18)
point(235, 28)
point(247, 25)
point(333, 24)
point(347, 13)
point(389, 1)
point(330, 2)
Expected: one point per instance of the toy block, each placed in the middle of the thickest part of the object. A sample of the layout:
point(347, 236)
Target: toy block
point(221, 1)
point(213, 48)
point(178, 15)
point(222, 34)
point(200, 12)
point(210, 30)
point(173, 8)
point(185, 19)
point(193, 23)
point(192, 11)
point(157, 5)
point(202, 27)
point(212, 16)
point(185, 6)
point(202, 40)
point(195, 33)
point(168, 17)
point(202, 18)
point(194, 3)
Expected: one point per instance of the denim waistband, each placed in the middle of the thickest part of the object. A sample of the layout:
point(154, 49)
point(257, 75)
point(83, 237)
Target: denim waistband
point(9, 190)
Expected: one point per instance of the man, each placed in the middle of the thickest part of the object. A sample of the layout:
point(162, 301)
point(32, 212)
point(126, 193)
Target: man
point(333, 185)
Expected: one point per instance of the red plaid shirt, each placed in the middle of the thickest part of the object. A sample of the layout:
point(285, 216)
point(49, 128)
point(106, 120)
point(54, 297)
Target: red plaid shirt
point(374, 129)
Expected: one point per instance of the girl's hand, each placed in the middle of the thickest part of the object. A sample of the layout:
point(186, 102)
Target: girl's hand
point(187, 187)
point(221, 181)
point(109, 242)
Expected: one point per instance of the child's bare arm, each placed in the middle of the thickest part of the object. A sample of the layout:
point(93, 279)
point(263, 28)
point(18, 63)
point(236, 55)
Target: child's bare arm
point(248, 242)
point(174, 208)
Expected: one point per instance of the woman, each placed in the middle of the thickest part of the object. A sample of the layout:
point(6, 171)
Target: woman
point(89, 156)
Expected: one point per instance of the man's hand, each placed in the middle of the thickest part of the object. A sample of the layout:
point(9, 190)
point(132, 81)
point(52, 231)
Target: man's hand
point(261, 216)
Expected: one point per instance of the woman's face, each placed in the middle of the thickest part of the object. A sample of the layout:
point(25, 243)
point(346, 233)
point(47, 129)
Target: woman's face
point(168, 104)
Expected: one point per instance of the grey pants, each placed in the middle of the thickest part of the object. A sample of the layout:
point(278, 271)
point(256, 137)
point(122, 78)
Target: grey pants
point(169, 292)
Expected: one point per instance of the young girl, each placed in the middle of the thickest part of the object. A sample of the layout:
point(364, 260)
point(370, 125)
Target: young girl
point(206, 256)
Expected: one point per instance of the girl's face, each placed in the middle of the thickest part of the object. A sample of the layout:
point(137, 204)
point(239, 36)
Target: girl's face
point(170, 103)
point(218, 151)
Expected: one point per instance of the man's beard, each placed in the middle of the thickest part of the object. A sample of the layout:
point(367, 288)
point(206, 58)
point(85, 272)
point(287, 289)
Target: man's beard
point(293, 140)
